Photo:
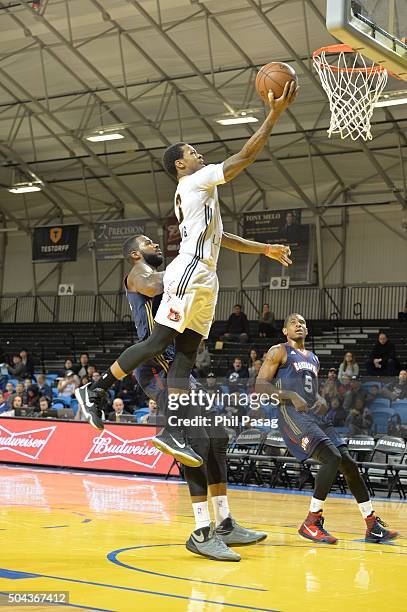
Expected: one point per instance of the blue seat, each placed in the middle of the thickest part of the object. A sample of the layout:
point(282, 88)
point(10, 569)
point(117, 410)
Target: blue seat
point(140, 413)
point(59, 403)
point(65, 400)
point(381, 419)
point(379, 403)
point(74, 405)
point(400, 406)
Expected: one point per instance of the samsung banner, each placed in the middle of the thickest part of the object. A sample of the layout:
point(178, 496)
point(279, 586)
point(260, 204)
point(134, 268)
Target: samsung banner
point(55, 243)
point(281, 227)
point(110, 236)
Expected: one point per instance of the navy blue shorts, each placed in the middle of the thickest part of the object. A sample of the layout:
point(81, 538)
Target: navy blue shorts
point(303, 431)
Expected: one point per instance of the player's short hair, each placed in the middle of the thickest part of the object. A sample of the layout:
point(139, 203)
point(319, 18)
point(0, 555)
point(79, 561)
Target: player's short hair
point(131, 244)
point(171, 155)
point(292, 314)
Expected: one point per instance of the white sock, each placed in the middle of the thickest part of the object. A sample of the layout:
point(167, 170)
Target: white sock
point(201, 513)
point(366, 508)
point(316, 505)
point(220, 508)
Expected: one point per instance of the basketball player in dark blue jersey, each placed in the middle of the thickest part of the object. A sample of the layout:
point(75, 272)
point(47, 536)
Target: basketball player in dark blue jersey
point(144, 287)
point(291, 371)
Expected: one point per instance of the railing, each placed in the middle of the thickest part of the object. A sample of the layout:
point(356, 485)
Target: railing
point(356, 302)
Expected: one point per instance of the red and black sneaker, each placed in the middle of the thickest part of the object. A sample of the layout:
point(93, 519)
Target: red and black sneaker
point(376, 531)
point(313, 529)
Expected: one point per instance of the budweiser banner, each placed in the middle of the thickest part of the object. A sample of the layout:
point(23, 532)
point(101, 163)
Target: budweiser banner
point(281, 227)
point(172, 238)
point(55, 243)
point(123, 448)
point(110, 235)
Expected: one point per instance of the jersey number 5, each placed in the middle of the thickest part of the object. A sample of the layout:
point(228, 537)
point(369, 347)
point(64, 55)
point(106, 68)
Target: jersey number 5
point(308, 387)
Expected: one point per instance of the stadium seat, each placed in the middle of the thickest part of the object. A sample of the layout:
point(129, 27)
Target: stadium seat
point(368, 384)
point(386, 463)
point(379, 403)
point(400, 407)
point(140, 413)
point(59, 403)
point(381, 418)
point(246, 445)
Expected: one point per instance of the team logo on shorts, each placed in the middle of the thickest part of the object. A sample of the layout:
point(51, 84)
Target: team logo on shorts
point(174, 315)
point(304, 443)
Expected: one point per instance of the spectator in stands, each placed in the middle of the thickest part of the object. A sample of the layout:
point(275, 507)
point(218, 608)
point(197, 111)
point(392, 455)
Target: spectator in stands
point(238, 376)
point(96, 376)
point(43, 388)
point(359, 420)
point(397, 389)
point(253, 356)
point(84, 381)
point(237, 326)
point(213, 387)
point(31, 397)
point(82, 368)
point(267, 322)
point(151, 416)
point(67, 385)
point(403, 314)
point(253, 373)
point(68, 367)
point(348, 366)
point(3, 403)
point(9, 390)
point(126, 389)
point(18, 369)
point(118, 410)
point(28, 362)
point(44, 407)
point(16, 404)
point(356, 392)
point(336, 412)
point(374, 392)
point(19, 390)
point(91, 370)
point(382, 360)
point(203, 360)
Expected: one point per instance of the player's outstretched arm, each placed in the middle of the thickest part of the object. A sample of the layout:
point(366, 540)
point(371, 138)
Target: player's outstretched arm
point(275, 358)
point(278, 252)
point(235, 164)
point(146, 283)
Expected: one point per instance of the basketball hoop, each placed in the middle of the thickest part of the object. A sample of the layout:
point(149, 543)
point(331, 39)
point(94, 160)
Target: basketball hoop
point(353, 86)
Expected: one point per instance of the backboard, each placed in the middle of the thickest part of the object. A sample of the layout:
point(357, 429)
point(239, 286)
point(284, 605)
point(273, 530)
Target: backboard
point(375, 28)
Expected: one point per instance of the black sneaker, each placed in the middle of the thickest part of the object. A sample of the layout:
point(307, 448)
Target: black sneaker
point(89, 401)
point(173, 443)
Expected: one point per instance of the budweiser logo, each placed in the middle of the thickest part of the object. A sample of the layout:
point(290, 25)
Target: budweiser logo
point(110, 446)
point(26, 443)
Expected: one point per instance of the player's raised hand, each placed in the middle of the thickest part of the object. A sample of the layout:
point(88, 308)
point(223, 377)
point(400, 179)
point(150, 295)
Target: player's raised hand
point(288, 96)
point(279, 252)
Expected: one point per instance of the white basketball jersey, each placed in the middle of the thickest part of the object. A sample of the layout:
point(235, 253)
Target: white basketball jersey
point(198, 213)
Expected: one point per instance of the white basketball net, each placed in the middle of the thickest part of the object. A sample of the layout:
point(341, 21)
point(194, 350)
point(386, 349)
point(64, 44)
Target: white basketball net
point(353, 87)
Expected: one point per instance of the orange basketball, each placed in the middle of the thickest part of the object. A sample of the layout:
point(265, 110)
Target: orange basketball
point(274, 76)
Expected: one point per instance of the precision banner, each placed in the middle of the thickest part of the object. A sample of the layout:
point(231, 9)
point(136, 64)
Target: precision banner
point(110, 236)
point(281, 227)
point(55, 243)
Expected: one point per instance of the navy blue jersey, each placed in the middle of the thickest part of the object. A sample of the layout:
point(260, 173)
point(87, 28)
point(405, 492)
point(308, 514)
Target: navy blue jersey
point(299, 374)
point(143, 309)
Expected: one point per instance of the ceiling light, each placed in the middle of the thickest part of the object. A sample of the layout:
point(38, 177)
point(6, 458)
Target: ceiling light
point(392, 98)
point(101, 136)
point(25, 187)
point(237, 120)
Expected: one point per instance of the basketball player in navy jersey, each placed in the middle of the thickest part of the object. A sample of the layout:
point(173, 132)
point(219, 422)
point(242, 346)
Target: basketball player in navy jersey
point(144, 287)
point(291, 371)
point(191, 284)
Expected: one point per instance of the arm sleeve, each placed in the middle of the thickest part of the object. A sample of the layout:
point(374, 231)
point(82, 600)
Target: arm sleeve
point(209, 176)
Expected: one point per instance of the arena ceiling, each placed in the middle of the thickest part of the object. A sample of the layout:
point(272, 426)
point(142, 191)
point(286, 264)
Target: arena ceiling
point(166, 70)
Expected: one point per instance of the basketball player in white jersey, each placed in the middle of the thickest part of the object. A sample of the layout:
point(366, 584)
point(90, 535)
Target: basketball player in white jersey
point(188, 305)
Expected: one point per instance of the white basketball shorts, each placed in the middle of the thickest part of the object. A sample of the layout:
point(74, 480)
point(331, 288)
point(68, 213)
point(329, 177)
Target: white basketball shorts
point(190, 296)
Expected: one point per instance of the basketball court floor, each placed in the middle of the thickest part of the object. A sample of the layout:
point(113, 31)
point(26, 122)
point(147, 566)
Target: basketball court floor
point(116, 543)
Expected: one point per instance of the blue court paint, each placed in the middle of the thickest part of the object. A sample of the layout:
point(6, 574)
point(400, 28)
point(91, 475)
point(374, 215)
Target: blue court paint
point(14, 575)
point(147, 592)
point(112, 556)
